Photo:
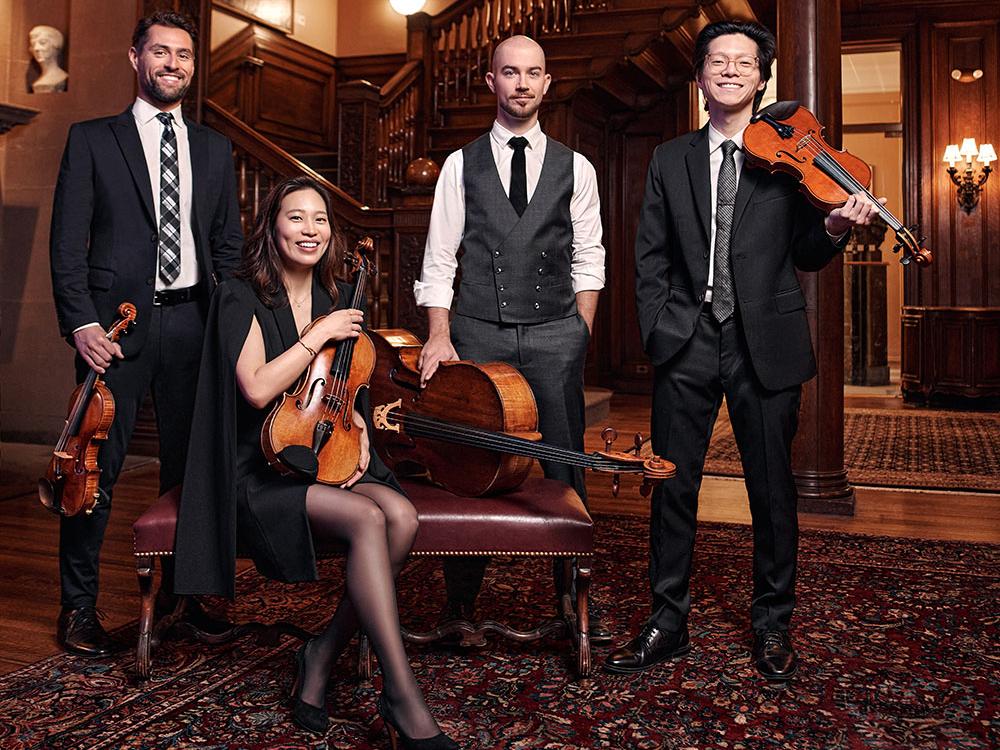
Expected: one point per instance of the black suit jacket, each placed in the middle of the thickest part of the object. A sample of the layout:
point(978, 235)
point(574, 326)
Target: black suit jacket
point(103, 242)
point(775, 231)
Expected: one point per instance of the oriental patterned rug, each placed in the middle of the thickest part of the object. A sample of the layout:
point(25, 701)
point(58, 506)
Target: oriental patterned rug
point(899, 641)
point(924, 449)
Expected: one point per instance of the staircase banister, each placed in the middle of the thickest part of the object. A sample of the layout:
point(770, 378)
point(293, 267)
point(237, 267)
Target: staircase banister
point(403, 78)
point(449, 15)
point(282, 162)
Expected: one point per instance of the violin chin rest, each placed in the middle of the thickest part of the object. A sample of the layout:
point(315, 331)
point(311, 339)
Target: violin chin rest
point(301, 460)
point(779, 110)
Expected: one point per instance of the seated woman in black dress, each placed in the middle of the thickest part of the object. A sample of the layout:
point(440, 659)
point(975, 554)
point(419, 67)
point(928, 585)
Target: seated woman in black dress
point(258, 342)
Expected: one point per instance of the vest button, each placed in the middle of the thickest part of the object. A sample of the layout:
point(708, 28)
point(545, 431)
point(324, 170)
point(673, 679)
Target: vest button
point(496, 253)
point(499, 270)
point(500, 288)
point(701, 297)
point(150, 281)
point(541, 271)
point(537, 305)
point(538, 287)
point(154, 237)
point(545, 254)
point(704, 255)
point(503, 304)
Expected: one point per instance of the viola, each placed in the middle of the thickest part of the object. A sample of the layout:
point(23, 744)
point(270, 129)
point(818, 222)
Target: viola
point(488, 411)
point(70, 484)
point(786, 137)
point(311, 431)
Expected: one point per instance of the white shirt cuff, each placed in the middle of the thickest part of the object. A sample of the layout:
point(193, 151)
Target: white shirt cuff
point(432, 295)
point(87, 325)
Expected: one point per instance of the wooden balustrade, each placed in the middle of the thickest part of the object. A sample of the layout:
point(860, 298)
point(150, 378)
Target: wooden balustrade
point(260, 164)
point(398, 114)
point(463, 37)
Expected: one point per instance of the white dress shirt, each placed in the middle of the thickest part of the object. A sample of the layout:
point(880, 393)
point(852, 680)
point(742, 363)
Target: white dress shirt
point(447, 225)
point(715, 156)
point(150, 133)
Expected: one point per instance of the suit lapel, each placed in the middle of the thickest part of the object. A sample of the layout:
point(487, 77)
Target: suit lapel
point(748, 183)
point(198, 147)
point(127, 136)
point(701, 180)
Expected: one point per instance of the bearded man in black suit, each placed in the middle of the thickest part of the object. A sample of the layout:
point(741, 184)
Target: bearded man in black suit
point(721, 313)
point(145, 211)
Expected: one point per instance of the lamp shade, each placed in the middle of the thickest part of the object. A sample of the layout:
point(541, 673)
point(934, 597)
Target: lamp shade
point(969, 149)
point(951, 154)
point(406, 7)
point(987, 154)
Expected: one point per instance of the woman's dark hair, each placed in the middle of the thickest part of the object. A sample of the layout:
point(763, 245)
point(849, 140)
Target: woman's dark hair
point(261, 264)
point(164, 18)
point(760, 35)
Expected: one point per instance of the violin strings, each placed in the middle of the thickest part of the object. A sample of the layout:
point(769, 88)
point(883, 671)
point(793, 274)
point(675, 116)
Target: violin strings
point(834, 169)
point(428, 427)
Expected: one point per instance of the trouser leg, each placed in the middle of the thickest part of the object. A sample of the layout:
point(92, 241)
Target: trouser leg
point(764, 424)
point(686, 399)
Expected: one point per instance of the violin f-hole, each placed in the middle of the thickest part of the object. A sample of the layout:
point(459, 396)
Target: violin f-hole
point(790, 155)
point(303, 405)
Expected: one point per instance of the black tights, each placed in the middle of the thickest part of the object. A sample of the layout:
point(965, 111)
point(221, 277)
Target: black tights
point(378, 526)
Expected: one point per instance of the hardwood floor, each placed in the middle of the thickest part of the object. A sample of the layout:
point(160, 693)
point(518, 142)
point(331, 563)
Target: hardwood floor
point(29, 589)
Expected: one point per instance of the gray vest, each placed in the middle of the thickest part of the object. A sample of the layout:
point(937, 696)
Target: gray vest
point(517, 269)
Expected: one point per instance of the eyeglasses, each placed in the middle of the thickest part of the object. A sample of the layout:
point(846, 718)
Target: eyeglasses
point(745, 64)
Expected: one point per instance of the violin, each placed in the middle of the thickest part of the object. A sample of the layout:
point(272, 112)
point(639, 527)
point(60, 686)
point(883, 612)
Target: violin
point(488, 410)
point(311, 431)
point(785, 137)
point(70, 484)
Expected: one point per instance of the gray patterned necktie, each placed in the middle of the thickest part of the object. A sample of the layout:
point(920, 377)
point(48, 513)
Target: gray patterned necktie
point(723, 298)
point(170, 208)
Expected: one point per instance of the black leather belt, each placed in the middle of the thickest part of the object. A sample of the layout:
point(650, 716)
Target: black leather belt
point(175, 296)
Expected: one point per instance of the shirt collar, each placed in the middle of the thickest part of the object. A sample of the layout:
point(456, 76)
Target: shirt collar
point(501, 135)
point(144, 113)
point(716, 139)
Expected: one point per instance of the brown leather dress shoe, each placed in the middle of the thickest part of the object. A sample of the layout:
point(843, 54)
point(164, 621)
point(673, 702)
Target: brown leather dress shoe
point(651, 647)
point(773, 654)
point(80, 632)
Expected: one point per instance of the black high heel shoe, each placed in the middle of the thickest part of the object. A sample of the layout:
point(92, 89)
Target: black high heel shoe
point(439, 741)
point(306, 715)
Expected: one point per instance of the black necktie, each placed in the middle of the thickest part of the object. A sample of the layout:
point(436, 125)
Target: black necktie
point(723, 299)
point(170, 202)
point(518, 175)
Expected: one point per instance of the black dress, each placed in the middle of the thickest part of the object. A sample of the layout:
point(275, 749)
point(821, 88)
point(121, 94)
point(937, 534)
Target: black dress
point(233, 504)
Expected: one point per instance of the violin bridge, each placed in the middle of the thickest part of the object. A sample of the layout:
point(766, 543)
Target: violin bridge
point(380, 416)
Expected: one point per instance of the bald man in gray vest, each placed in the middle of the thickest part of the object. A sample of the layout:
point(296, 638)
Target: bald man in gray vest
point(525, 210)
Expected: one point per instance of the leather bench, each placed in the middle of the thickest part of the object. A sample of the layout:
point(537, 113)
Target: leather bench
point(542, 518)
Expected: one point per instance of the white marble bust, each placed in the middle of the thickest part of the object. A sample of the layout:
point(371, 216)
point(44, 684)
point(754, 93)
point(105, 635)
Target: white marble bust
point(46, 43)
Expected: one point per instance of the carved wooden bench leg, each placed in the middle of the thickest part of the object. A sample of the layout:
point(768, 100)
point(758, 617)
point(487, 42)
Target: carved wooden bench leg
point(144, 566)
point(582, 635)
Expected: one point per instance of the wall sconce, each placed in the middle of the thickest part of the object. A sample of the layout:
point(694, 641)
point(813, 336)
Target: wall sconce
point(406, 7)
point(969, 185)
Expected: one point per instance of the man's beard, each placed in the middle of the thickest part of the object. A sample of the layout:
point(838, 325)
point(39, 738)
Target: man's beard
point(522, 114)
point(163, 96)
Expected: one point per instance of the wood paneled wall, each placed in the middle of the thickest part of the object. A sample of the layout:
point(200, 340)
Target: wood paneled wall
point(935, 37)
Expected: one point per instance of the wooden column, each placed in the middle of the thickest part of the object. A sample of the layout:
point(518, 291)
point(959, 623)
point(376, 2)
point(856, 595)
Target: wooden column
point(809, 70)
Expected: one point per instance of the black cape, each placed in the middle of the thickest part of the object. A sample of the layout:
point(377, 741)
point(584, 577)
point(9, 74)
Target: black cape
point(232, 503)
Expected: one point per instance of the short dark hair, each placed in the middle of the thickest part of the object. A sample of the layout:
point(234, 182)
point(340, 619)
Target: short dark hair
point(164, 18)
point(760, 35)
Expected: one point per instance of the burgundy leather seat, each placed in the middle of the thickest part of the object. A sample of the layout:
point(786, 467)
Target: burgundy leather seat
point(542, 518)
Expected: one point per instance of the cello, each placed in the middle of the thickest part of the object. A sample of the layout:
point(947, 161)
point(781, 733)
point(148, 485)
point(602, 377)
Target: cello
point(489, 410)
point(70, 484)
point(311, 431)
point(785, 137)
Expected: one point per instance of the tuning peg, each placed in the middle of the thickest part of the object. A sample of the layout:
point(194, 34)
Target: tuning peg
point(615, 483)
point(609, 435)
point(638, 441)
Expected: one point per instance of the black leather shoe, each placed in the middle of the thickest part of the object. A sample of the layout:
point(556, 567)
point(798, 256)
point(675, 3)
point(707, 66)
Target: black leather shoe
point(80, 632)
point(397, 739)
point(314, 718)
point(599, 632)
point(773, 654)
point(651, 647)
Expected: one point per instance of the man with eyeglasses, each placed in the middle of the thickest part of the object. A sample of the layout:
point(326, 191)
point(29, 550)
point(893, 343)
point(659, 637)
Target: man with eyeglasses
point(721, 314)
